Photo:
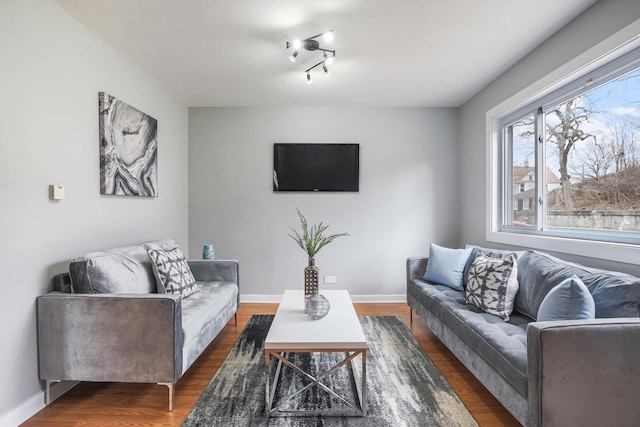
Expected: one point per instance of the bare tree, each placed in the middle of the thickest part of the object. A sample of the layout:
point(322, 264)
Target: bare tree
point(563, 127)
point(594, 160)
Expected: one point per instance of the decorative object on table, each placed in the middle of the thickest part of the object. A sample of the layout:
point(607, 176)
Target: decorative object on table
point(208, 252)
point(317, 306)
point(311, 241)
point(426, 399)
point(311, 44)
point(128, 149)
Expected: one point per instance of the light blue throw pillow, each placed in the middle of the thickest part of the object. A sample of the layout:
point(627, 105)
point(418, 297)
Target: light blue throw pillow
point(569, 300)
point(446, 266)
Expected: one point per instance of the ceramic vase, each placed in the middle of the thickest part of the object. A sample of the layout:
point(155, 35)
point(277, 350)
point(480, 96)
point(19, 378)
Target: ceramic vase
point(207, 252)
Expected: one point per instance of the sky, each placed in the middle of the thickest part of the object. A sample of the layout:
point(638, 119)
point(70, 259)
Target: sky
point(617, 102)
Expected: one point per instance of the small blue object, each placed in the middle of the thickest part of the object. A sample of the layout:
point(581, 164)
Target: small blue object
point(446, 266)
point(570, 300)
point(207, 252)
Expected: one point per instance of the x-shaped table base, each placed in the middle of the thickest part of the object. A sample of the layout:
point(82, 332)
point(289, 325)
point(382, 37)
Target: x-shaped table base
point(357, 408)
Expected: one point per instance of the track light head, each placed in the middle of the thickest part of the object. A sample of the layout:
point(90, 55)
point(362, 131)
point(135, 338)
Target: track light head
point(328, 59)
point(311, 44)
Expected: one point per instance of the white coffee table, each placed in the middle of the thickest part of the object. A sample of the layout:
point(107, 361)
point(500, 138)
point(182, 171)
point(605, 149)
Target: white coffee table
point(293, 331)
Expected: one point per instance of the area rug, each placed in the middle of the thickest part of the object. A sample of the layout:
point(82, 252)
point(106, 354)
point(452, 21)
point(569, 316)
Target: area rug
point(404, 387)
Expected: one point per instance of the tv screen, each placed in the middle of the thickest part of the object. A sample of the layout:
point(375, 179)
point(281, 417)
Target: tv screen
point(316, 167)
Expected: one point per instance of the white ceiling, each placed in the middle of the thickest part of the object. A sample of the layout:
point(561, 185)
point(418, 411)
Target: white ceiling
point(388, 52)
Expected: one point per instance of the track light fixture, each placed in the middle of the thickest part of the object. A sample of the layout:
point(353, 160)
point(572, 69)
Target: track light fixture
point(312, 45)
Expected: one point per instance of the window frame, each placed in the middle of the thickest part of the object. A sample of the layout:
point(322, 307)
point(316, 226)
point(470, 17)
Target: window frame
point(568, 81)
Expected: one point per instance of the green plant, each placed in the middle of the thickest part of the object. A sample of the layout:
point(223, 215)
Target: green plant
point(313, 238)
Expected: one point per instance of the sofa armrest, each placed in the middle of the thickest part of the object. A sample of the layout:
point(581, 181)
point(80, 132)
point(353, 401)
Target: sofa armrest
point(215, 270)
point(416, 266)
point(584, 372)
point(110, 337)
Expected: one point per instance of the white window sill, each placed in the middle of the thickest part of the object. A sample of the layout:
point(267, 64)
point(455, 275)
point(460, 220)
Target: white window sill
point(619, 252)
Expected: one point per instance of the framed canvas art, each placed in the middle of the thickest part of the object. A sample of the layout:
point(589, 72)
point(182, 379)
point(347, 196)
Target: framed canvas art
point(128, 149)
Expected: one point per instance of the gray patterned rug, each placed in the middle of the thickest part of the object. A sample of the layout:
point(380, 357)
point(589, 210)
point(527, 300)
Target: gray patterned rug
point(404, 387)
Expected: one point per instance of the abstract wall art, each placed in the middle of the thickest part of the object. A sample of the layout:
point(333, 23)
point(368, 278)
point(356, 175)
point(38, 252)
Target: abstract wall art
point(128, 149)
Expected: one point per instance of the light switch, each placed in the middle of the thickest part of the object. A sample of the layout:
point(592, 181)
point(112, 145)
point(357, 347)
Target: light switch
point(329, 279)
point(56, 192)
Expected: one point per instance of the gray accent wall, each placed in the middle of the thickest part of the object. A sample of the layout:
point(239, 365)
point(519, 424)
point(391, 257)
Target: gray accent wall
point(51, 70)
point(602, 20)
point(407, 194)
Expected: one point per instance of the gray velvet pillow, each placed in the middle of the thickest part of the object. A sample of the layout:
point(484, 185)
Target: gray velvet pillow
point(615, 294)
point(116, 271)
point(173, 275)
point(570, 300)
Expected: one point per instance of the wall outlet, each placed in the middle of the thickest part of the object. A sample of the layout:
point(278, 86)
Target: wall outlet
point(329, 279)
point(56, 192)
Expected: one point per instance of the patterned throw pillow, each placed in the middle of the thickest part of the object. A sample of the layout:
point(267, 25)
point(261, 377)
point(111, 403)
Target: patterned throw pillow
point(173, 275)
point(492, 284)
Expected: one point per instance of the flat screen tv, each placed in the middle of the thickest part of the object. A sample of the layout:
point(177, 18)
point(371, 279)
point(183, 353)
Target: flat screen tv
point(316, 167)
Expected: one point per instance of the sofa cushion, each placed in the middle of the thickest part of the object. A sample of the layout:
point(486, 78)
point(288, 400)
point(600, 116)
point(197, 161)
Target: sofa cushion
point(172, 273)
point(570, 300)
point(446, 266)
point(501, 344)
point(204, 314)
point(493, 284)
point(614, 294)
point(119, 270)
point(116, 271)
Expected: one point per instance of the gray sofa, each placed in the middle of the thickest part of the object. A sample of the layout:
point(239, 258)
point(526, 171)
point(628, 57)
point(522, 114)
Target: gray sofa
point(549, 373)
point(105, 321)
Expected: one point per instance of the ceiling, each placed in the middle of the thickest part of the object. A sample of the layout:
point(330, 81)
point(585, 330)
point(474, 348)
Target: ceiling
point(388, 52)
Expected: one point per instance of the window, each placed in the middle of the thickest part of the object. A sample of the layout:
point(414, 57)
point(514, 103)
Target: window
point(570, 160)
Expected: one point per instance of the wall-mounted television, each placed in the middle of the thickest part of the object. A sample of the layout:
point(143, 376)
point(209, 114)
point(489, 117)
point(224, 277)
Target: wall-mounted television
point(316, 167)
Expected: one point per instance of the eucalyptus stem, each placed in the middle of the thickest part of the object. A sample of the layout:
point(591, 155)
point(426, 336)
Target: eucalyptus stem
point(312, 238)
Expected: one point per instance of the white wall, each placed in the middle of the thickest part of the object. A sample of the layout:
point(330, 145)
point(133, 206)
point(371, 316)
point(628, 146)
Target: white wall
point(407, 194)
point(598, 23)
point(51, 70)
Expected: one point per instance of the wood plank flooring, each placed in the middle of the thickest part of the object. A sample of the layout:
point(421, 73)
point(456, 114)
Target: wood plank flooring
point(123, 404)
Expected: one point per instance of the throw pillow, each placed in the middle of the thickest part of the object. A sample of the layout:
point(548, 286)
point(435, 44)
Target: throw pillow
point(446, 265)
point(173, 275)
point(570, 300)
point(492, 284)
point(493, 253)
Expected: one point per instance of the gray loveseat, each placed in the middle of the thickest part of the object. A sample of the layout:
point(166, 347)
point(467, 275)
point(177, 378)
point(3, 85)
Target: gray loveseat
point(549, 373)
point(105, 321)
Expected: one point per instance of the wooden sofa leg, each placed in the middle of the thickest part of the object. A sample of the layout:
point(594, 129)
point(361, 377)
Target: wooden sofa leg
point(235, 319)
point(172, 393)
point(410, 316)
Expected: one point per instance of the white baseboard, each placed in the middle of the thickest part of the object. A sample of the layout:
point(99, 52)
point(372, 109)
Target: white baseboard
point(355, 298)
point(23, 412)
point(34, 404)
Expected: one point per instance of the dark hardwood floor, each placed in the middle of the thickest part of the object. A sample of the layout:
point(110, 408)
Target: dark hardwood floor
point(119, 404)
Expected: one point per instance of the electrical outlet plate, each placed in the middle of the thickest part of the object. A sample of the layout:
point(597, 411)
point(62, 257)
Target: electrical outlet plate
point(56, 192)
point(329, 279)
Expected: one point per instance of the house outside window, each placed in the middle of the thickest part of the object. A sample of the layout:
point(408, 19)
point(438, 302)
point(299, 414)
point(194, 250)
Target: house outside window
point(570, 161)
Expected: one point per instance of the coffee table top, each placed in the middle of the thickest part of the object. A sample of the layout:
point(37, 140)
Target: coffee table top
point(292, 329)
